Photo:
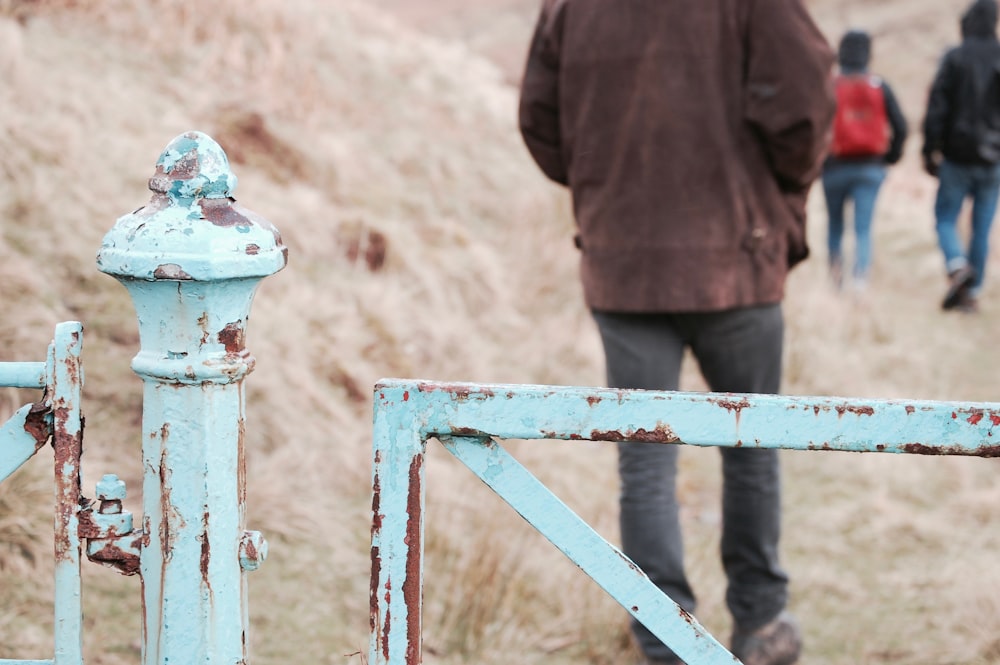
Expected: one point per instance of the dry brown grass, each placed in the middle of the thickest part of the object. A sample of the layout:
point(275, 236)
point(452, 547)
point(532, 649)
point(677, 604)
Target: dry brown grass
point(423, 243)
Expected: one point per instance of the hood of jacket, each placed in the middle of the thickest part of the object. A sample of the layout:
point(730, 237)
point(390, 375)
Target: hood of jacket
point(854, 52)
point(980, 19)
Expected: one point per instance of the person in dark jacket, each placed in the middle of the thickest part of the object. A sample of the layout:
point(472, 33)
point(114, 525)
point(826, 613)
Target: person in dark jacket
point(688, 135)
point(962, 149)
point(857, 163)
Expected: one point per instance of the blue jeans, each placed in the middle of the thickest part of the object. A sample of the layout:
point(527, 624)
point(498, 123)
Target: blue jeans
point(737, 350)
point(859, 182)
point(956, 182)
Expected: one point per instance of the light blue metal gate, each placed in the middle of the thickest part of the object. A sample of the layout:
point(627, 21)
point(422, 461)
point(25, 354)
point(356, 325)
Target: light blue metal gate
point(471, 420)
point(191, 259)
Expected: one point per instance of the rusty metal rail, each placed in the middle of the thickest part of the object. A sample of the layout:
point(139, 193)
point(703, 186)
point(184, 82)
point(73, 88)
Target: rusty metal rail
point(471, 420)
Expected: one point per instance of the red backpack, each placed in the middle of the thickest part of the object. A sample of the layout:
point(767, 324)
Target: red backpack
point(860, 127)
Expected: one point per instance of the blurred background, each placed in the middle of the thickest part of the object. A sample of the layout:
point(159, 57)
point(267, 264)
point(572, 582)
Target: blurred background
point(380, 138)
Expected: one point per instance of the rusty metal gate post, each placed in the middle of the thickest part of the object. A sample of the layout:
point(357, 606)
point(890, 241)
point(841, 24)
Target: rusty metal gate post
point(192, 259)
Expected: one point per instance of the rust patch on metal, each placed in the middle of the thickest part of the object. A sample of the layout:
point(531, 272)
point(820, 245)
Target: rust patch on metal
point(222, 212)
point(376, 504)
point(36, 424)
point(468, 431)
point(923, 449)
point(166, 547)
point(373, 589)
point(910, 410)
point(412, 583)
point(66, 448)
point(241, 460)
point(459, 392)
point(731, 404)
point(170, 271)
point(376, 558)
point(975, 417)
point(186, 168)
point(386, 629)
point(203, 324)
point(661, 434)
point(113, 556)
point(86, 528)
point(593, 400)
point(252, 249)
point(206, 554)
point(232, 337)
point(856, 410)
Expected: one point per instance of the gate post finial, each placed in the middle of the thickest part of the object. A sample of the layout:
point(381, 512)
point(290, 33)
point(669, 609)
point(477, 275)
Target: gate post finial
point(191, 259)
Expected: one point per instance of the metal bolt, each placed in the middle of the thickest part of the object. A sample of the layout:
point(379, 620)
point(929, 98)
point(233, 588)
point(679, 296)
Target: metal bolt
point(253, 550)
point(110, 491)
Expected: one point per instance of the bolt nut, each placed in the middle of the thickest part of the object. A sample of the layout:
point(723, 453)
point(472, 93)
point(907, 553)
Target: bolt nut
point(253, 550)
point(110, 488)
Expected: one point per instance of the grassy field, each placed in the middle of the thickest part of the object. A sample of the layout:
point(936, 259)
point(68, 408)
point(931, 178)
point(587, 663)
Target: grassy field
point(352, 123)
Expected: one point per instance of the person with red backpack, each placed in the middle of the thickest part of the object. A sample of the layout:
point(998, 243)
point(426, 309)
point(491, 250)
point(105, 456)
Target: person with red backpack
point(868, 134)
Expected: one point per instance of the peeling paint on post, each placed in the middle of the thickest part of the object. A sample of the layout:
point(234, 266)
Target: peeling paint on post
point(192, 259)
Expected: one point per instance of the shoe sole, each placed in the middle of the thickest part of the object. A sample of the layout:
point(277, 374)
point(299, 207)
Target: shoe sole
point(957, 291)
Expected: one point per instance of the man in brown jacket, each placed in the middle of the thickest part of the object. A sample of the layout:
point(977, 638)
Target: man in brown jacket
point(689, 134)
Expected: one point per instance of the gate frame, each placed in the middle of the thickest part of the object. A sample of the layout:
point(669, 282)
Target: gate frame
point(469, 418)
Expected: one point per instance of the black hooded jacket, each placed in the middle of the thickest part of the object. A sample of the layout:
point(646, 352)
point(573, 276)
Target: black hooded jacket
point(963, 108)
point(853, 56)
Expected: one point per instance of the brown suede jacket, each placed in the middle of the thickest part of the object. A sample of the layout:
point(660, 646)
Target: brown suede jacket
point(689, 134)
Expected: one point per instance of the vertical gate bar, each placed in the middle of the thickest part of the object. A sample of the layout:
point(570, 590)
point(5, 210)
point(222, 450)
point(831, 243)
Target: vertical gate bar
point(396, 595)
point(66, 385)
point(603, 562)
point(192, 260)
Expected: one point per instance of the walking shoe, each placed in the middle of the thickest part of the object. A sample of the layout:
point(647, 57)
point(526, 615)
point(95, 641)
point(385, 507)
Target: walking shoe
point(775, 643)
point(959, 281)
point(968, 304)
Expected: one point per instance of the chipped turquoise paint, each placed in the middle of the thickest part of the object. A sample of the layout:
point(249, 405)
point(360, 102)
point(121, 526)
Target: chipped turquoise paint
point(191, 261)
point(471, 420)
point(214, 178)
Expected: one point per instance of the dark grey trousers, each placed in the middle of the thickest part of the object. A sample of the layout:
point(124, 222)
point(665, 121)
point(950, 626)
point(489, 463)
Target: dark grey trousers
point(737, 351)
